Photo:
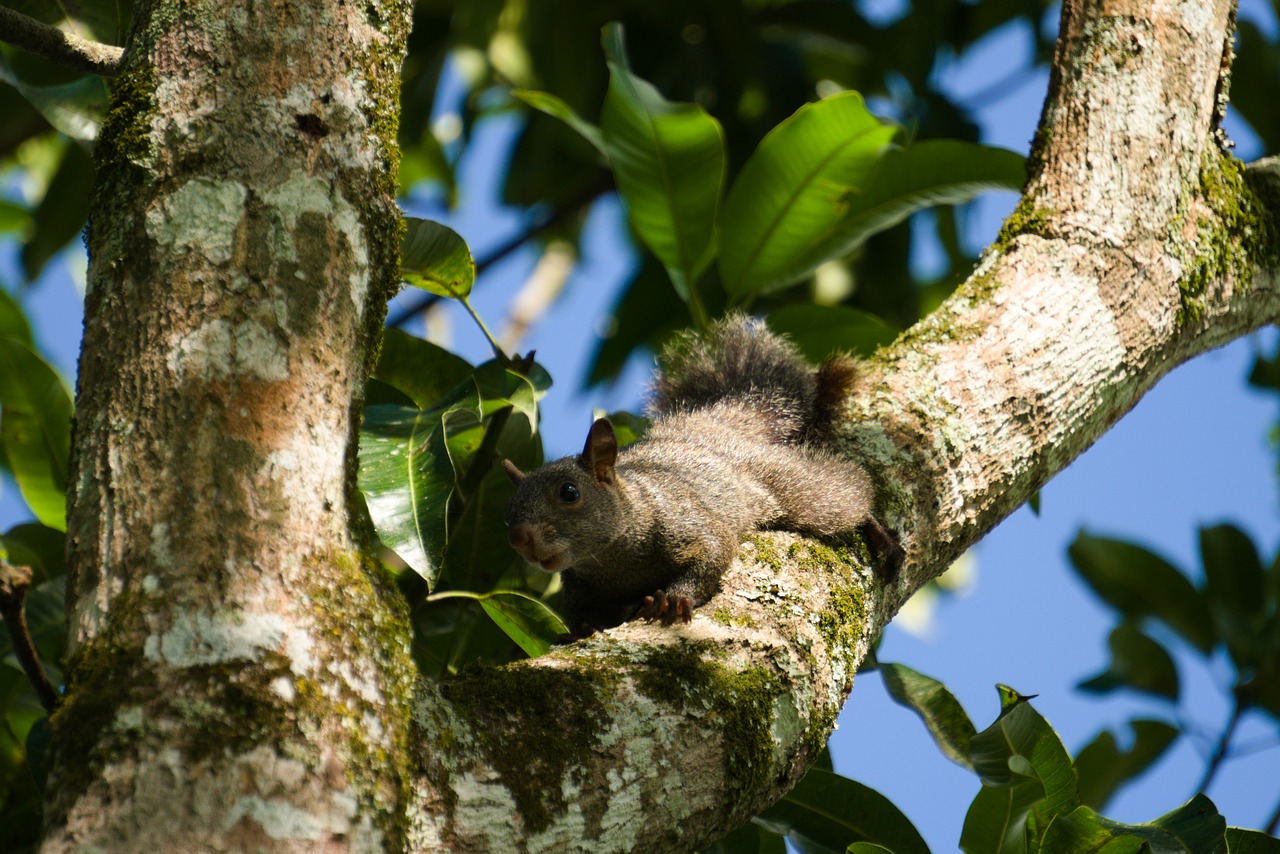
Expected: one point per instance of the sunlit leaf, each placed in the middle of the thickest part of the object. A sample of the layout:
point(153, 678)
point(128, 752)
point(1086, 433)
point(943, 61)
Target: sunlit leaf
point(669, 161)
point(407, 476)
point(74, 109)
point(526, 620)
point(794, 190)
point(1194, 828)
point(821, 330)
point(941, 712)
point(435, 258)
point(555, 107)
point(424, 371)
point(35, 429)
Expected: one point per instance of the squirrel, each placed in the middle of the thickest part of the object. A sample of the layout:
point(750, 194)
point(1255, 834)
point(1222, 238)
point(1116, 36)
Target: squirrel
point(739, 441)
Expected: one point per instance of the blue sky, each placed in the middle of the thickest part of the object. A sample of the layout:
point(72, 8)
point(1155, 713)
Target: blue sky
point(1193, 452)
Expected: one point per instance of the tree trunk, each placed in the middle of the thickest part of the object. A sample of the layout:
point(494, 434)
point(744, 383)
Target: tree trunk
point(243, 247)
point(223, 693)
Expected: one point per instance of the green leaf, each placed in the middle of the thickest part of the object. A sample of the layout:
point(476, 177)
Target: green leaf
point(867, 848)
point(921, 175)
point(1236, 591)
point(526, 620)
point(545, 102)
point(941, 712)
point(751, 838)
point(793, 192)
point(1193, 828)
point(13, 320)
point(1138, 663)
point(37, 546)
point(74, 109)
point(827, 812)
point(1243, 841)
point(435, 258)
point(820, 330)
point(407, 476)
point(669, 162)
point(35, 429)
point(61, 213)
point(1102, 768)
point(420, 369)
point(996, 822)
point(1140, 583)
point(1020, 747)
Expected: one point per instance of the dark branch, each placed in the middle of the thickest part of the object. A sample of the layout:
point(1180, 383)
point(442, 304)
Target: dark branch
point(63, 48)
point(15, 581)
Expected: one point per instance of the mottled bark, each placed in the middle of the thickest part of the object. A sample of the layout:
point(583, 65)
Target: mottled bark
point(242, 249)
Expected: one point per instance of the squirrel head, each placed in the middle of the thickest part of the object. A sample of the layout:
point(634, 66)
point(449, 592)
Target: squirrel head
point(562, 512)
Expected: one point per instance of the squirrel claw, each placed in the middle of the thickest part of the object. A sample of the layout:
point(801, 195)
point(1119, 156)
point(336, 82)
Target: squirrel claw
point(668, 609)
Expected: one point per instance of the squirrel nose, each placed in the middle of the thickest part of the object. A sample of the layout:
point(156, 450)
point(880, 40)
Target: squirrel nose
point(520, 535)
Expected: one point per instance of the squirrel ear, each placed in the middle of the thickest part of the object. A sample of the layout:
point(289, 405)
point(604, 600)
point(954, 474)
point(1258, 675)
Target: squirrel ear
point(512, 472)
point(601, 450)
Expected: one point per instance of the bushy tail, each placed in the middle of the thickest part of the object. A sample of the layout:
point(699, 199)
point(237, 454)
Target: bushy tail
point(740, 360)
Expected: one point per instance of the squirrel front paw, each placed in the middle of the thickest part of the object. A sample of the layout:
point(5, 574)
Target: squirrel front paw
point(668, 609)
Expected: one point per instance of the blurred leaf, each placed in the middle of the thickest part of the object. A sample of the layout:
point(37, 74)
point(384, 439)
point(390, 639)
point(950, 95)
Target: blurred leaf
point(751, 838)
point(1236, 590)
point(13, 217)
point(1257, 62)
point(37, 546)
point(407, 477)
point(1138, 663)
point(425, 161)
point(35, 429)
point(1102, 768)
point(13, 320)
point(821, 330)
point(627, 426)
point(73, 109)
point(669, 162)
point(60, 215)
point(556, 108)
point(1193, 828)
point(793, 192)
point(941, 712)
point(424, 371)
point(1243, 841)
point(826, 813)
point(646, 313)
point(435, 258)
point(1141, 584)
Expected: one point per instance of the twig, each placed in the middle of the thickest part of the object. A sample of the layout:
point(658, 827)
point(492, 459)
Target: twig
point(15, 581)
point(1222, 747)
point(63, 48)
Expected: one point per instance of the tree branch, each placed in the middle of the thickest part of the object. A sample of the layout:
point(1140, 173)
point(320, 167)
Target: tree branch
point(15, 581)
point(61, 47)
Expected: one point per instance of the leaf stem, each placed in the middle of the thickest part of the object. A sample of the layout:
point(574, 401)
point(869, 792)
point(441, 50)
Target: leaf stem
point(493, 342)
point(15, 581)
point(1221, 749)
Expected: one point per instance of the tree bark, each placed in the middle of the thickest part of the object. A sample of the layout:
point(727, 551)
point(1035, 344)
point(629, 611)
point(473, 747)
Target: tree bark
point(222, 693)
point(243, 247)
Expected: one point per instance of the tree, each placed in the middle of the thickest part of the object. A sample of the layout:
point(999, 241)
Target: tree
point(238, 664)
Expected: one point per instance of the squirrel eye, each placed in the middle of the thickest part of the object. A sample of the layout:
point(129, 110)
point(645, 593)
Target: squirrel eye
point(569, 493)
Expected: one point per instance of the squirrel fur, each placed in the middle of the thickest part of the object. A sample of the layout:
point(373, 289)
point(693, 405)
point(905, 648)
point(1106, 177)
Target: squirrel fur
point(738, 442)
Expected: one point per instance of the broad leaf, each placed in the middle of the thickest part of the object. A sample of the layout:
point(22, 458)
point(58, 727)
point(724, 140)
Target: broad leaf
point(1244, 841)
point(13, 320)
point(545, 102)
point(821, 330)
point(74, 109)
point(826, 813)
point(435, 258)
point(1138, 663)
point(669, 162)
point(1193, 828)
point(941, 712)
point(420, 369)
point(35, 429)
point(407, 477)
point(1236, 590)
point(1102, 767)
point(794, 191)
point(525, 619)
point(1140, 583)
point(996, 822)
point(39, 547)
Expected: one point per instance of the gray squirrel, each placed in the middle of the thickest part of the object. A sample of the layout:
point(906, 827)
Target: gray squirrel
point(739, 441)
